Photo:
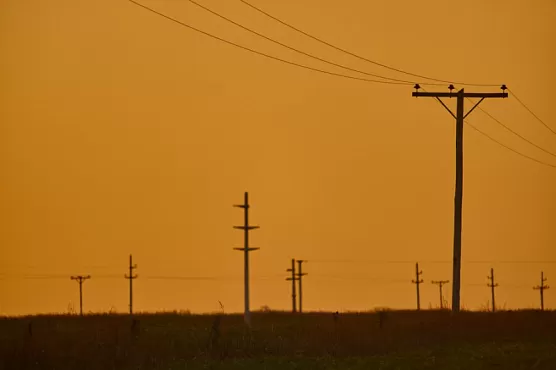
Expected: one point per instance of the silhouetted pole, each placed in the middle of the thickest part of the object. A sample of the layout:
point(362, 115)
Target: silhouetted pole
point(300, 275)
point(542, 288)
point(80, 279)
point(440, 284)
point(458, 199)
point(417, 282)
point(131, 277)
point(293, 279)
point(246, 249)
point(492, 285)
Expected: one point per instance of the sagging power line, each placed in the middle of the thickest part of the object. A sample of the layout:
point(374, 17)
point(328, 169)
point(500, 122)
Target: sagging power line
point(357, 55)
point(227, 19)
point(264, 54)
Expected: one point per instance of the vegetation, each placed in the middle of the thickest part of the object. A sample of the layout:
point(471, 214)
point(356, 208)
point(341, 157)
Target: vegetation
point(380, 340)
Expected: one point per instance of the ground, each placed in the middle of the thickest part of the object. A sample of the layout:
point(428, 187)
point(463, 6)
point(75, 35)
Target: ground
point(378, 340)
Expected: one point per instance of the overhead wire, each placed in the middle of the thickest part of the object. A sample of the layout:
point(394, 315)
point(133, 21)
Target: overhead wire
point(530, 111)
point(261, 53)
point(340, 75)
point(354, 54)
point(504, 145)
point(302, 52)
point(514, 132)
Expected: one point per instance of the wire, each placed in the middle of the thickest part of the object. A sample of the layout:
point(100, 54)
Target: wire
point(530, 111)
point(300, 51)
point(264, 54)
point(514, 132)
point(503, 145)
point(356, 55)
point(433, 261)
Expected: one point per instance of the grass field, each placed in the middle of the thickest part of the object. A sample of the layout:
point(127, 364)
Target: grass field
point(385, 340)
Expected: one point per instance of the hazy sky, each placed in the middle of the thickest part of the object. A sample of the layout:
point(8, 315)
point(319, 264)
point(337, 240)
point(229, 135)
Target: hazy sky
point(123, 132)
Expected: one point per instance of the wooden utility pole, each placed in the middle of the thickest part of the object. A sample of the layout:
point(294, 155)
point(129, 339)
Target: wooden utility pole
point(131, 277)
point(80, 279)
point(492, 285)
point(542, 288)
point(440, 284)
point(246, 249)
point(418, 281)
point(300, 275)
point(458, 199)
point(293, 278)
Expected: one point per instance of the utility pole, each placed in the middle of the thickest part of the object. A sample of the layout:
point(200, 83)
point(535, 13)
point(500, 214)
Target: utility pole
point(80, 279)
point(246, 249)
point(417, 282)
point(293, 279)
point(131, 277)
point(542, 288)
point(491, 285)
point(300, 275)
point(458, 199)
point(440, 284)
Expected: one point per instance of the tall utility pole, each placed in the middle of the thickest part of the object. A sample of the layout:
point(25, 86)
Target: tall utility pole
point(440, 284)
point(418, 281)
point(458, 199)
point(293, 278)
point(492, 285)
point(542, 288)
point(246, 249)
point(80, 279)
point(131, 277)
point(300, 275)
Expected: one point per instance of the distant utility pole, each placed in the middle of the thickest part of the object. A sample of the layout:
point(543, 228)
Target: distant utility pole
point(418, 281)
point(542, 288)
point(131, 277)
point(440, 284)
point(246, 249)
point(459, 117)
point(293, 278)
point(300, 275)
point(80, 279)
point(492, 285)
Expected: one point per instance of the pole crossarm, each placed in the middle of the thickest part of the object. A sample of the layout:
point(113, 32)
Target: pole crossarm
point(454, 95)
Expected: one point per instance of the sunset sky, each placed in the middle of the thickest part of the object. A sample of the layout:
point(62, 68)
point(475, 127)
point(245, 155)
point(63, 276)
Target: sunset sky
point(122, 132)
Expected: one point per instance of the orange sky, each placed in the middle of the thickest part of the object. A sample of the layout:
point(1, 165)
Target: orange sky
point(122, 132)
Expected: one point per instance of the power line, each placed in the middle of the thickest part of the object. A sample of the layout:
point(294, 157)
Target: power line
point(530, 111)
point(264, 54)
point(356, 55)
point(509, 148)
point(504, 145)
point(514, 132)
point(300, 51)
point(431, 261)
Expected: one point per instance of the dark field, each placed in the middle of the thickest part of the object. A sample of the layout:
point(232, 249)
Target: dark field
point(386, 340)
